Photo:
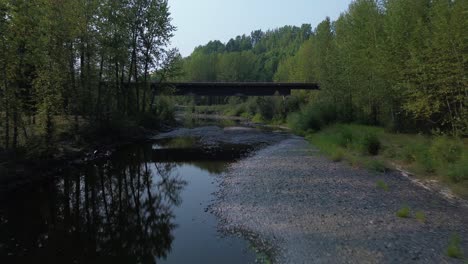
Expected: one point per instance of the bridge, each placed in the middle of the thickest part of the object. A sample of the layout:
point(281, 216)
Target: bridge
point(232, 88)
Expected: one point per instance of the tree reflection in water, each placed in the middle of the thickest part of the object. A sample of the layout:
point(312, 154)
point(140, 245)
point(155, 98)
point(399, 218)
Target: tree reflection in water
point(121, 208)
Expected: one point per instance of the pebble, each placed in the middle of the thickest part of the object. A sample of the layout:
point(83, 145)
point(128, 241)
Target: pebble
point(304, 206)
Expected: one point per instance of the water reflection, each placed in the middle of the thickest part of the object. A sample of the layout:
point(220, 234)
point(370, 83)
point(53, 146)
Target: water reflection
point(123, 207)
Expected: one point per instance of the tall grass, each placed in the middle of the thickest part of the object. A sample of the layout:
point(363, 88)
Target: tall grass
point(441, 157)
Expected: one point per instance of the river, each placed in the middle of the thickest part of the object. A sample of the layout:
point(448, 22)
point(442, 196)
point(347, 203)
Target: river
point(146, 203)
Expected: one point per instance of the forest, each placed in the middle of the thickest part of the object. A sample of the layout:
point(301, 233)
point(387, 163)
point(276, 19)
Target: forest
point(79, 70)
point(394, 63)
point(70, 67)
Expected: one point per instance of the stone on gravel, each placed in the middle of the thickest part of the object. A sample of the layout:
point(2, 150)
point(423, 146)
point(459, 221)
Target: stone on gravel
point(308, 209)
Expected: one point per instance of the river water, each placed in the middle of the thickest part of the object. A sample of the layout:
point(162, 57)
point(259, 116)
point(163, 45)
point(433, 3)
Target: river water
point(146, 203)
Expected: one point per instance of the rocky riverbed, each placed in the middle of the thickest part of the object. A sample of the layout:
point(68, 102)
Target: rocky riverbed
point(302, 208)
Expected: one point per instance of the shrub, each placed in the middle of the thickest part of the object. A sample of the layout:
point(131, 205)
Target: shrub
point(424, 161)
point(345, 137)
point(371, 144)
point(420, 216)
point(270, 107)
point(312, 117)
point(376, 165)
point(454, 249)
point(409, 153)
point(337, 155)
point(257, 118)
point(458, 172)
point(382, 185)
point(251, 105)
point(303, 121)
point(403, 212)
point(165, 108)
point(292, 104)
point(446, 150)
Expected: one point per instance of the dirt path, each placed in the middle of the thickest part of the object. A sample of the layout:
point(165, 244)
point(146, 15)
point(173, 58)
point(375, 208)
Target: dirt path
point(312, 210)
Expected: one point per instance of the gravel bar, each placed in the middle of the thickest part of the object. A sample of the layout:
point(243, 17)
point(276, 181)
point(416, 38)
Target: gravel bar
point(303, 208)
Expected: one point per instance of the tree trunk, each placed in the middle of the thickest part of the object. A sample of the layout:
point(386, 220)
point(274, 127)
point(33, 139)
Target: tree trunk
point(145, 87)
point(74, 101)
point(7, 124)
point(99, 91)
point(82, 74)
point(137, 88)
point(15, 128)
point(7, 107)
point(117, 86)
point(88, 77)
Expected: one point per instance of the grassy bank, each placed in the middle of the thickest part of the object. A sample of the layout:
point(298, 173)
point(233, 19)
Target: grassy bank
point(440, 158)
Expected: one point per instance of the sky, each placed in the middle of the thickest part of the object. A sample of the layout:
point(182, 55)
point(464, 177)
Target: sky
point(199, 21)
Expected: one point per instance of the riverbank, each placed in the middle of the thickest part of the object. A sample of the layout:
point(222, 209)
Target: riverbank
point(29, 166)
point(439, 162)
point(307, 209)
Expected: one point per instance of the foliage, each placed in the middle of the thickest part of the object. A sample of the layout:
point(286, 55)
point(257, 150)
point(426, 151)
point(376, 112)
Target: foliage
point(420, 216)
point(403, 212)
point(441, 157)
point(445, 150)
point(399, 63)
point(454, 249)
point(345, 137)
point(375, 165)
point(89, 60)
point(382, 185)
point(458, 172)
point(312, 117)
point(370, 144)
point(396, 63)
point(245, 58)
point(337, 155)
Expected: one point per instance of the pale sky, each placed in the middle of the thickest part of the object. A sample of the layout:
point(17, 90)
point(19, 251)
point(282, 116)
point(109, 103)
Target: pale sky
point(199, 21)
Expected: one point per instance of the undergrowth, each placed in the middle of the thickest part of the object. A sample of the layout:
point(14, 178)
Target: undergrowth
point(437, 157)
point(404, 212)
point(454, 249)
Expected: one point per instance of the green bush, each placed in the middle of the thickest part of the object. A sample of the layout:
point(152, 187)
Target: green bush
point(446, 150)
point(458, 172)
point(312, 117)
point(268, 107)
point(403, 212)
point(345, 137)
point(382, 185)
point(257, 118)
point(408, 153)
point(420, 216)
point(454, 249)
point(371, 144)
point(165, 108)
point(424, 161)
point(251, 105)
point(337, 155)
point(293, 104)
point(376, 165)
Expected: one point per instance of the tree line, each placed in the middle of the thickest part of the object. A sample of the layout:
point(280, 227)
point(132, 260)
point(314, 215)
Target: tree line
point(245, 58)
point(396, 63)
point(85, 61)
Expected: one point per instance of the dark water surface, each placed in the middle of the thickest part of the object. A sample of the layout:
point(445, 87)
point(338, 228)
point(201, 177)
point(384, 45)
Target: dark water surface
point(146, 204)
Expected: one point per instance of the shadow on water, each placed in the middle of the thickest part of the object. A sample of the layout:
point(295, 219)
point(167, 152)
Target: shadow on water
point(146, 204)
